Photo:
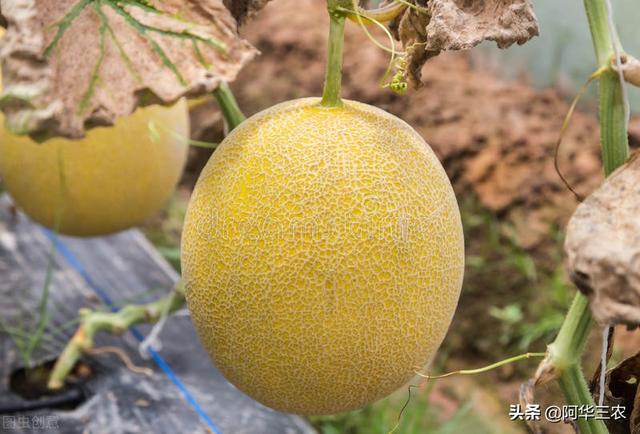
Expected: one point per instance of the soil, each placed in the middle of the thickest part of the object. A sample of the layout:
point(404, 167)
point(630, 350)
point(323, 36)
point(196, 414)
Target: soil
point(31, 386)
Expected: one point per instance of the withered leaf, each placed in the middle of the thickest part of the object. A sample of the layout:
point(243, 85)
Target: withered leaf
point(527, 398)
point(621, 389)
point(460, 25)
point(603, 247)
point(244, 9)
point(73, 64)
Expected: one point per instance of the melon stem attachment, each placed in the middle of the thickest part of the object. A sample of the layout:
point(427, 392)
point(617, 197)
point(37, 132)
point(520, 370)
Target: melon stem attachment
point(233, 116)
point(333, 77)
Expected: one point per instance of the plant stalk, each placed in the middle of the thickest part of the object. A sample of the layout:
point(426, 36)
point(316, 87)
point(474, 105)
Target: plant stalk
point(613, 123)
point(233, 116)
point(575, 389)
point(333, 77)
point(565, 352)
point(572, 337)
point(112, 322)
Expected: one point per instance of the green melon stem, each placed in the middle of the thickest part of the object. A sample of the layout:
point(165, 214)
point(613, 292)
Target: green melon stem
point(333, 77)
point(233, 116)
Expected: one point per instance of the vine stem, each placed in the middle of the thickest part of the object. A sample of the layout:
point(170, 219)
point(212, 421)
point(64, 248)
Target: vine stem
point(113, 322)
point(233, 116)
point(333, 78)
point(564, 354)
point(118, 322)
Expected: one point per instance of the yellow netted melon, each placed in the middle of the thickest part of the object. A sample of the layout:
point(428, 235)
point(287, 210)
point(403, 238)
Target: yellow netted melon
point(113, 179)
point(322, 255)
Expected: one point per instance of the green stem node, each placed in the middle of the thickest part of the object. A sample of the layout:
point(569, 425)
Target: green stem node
point(569, 344)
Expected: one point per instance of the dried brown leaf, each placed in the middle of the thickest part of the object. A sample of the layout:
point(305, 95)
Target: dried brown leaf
point(244, 9)
point(621, 389)
point(603, 247)
point(527, 398)
point(460, 25)
point(72, 64)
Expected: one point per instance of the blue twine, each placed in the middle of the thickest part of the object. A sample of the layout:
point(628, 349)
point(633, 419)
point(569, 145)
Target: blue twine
point(106, 299)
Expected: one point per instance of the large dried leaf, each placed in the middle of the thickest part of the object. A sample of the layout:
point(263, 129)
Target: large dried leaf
point(603, 247)
point(71, 64)
point(460, 25)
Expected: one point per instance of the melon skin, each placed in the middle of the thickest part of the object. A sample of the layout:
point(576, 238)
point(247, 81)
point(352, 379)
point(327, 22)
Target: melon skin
point(113, 179)
point(322, 255)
